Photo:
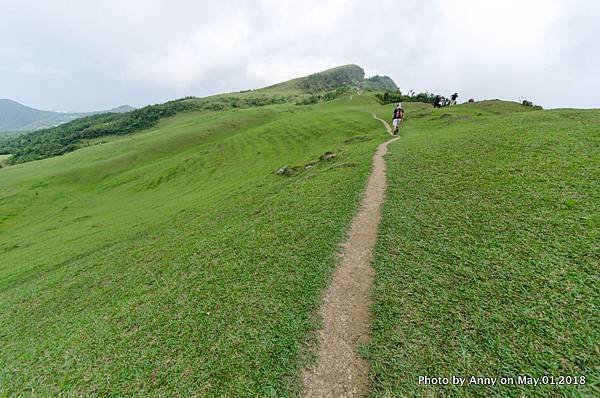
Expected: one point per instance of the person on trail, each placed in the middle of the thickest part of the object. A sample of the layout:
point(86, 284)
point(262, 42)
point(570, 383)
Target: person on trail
point(397, 117)
point(436, 101)
point(453, 97)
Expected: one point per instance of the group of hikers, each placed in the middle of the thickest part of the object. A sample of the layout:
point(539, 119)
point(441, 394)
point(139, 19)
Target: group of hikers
point(438, 102)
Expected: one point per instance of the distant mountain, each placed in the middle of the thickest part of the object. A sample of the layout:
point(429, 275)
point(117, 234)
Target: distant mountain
point(15, 117)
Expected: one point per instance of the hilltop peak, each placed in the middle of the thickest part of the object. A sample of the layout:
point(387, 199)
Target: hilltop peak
point(331, 79)
point(350, 75)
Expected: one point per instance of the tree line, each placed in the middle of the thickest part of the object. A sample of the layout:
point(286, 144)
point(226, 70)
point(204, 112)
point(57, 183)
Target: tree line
point(70, 136)
point(389, 97)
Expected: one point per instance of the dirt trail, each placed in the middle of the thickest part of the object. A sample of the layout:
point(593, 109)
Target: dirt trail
point(340, 370)
point(387, 126)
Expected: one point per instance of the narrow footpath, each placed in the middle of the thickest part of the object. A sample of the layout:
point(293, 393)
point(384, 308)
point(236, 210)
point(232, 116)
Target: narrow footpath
point(346, 311)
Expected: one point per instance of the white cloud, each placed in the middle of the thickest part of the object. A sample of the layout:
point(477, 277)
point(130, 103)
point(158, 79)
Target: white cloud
point(277, 69)
point(12, 53)
point(207, 50)
point(544, 49)
point(264, 51)
point(31, 69)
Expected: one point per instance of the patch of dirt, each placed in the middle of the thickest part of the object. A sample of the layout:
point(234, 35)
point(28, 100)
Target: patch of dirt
point(346, 310)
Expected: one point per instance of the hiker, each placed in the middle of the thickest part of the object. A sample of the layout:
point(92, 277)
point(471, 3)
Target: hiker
point(453, 98)
point(437, 101)
point(397, 117)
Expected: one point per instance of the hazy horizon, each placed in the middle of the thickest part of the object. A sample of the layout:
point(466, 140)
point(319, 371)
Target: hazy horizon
point(90, 56)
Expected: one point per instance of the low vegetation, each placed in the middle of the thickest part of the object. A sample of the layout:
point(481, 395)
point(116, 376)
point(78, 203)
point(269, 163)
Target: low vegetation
point(389, 97)
point(487, 262)
point(319, 87)
point(73, 135)
point(176, 261)
point(189, 258)
point(331, 79)
point(380, 83)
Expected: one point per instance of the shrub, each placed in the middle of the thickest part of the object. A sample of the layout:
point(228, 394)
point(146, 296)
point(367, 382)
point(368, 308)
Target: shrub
point(389, 97)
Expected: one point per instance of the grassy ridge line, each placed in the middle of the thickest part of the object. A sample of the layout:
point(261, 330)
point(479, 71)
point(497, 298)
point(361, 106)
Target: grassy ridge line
point(176, 261)
point(487, 262)
point(319, 87)
point(73, 135)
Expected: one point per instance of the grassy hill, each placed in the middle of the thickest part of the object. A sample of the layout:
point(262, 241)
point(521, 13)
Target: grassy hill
point(15, 117)
point(487, 262)
point(319, 87)
point(174, 260)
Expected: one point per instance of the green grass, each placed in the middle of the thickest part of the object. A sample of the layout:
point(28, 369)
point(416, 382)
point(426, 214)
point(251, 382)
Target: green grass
point(176, 262)
point(487, 262)
point(55, 141)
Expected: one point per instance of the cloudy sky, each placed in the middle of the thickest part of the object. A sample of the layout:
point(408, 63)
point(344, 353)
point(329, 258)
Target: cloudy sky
point(95, 54)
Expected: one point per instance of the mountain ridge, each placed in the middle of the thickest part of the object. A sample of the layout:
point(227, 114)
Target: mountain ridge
point(16, 117)
point(318, 87)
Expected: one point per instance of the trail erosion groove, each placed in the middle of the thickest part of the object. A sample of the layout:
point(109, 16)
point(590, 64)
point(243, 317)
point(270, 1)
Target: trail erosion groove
point(340, 370)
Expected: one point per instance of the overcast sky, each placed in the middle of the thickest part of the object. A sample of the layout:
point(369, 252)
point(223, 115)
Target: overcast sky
point(95, 54)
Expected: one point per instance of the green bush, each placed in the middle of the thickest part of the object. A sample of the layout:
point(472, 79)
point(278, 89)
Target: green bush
point(380, 83)
point(390, 97)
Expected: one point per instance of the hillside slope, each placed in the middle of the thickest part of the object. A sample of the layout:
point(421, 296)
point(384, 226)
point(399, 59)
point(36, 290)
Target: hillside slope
point(487, 262)
point(176, 261)
point(319, 87)
point(15, 117)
